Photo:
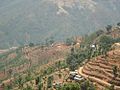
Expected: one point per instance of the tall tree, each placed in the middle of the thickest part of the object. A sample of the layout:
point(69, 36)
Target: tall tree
point(108, 28)
point(105, 43)
point(71, 86)
point(118, 24)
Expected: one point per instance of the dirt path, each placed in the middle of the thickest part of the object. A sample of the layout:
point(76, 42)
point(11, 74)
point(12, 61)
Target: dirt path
point(101, 82)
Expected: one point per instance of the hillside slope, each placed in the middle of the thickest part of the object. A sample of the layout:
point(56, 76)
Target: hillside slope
point(24, 21)
point(25, 58)
point(101, 69)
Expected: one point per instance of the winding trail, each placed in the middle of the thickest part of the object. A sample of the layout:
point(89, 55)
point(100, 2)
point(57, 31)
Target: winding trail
point(94, 79)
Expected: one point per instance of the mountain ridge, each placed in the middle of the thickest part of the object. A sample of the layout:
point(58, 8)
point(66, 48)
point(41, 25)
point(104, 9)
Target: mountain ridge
point(42, 19)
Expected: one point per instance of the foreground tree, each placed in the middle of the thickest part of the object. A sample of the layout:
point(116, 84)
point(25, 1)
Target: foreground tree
point(87, 85)
point(49, 41)
point(31, 44)
point(118, 24)
point(99, 32)
point(112, 87)
point(70, 41)
point(20, 82)
point(72, 60)
point(108, 28)
point(71, 86)
point(49, 83)
point(105, 43)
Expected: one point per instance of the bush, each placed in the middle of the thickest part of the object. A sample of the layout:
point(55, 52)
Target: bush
point(71, 86)
point(72, 62)
point(118, 24)
point(28, 77)
point(20, 82)
point(8, 87)
point(70, 41)
point(108, 28)
point(31, 44)
point(49, 83)
point(40, 86)
point(87, 85)
point(28, 88)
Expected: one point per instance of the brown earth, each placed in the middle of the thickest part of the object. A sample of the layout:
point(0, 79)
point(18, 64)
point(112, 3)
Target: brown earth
point(100, 70)
point(42, 57)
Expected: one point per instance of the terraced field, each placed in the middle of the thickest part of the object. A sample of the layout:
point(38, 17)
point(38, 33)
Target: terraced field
point(25, 58)
point(100, 70)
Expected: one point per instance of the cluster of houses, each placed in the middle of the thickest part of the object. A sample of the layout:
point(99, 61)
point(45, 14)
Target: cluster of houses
point(75, 76)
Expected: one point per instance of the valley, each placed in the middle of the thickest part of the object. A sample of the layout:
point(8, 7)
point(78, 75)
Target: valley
point(59, 44)
point(80, 60)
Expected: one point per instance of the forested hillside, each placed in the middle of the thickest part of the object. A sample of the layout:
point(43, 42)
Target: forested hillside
point(25, 21)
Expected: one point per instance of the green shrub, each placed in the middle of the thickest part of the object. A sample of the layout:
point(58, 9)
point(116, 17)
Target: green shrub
point(49, 83)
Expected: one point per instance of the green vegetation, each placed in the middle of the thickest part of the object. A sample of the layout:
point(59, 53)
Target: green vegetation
point(105, 43)
point(118, 24)
point(49, 83)
point(70, 41)
point(72, 60)
point(98, 43)
point(31, 44)
point(49, 41)
point(20, 82)
point(28, 88)
point(7, 87)
point(11, 59)
point(71, 86)
point(76, 57)
point(108, 28)
point(102, 43)
point(49, 70)
point(18, 27)
point(112, 87)
point(38, 82)
point(86, 85)
point(115, 70)
point(28, 77)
